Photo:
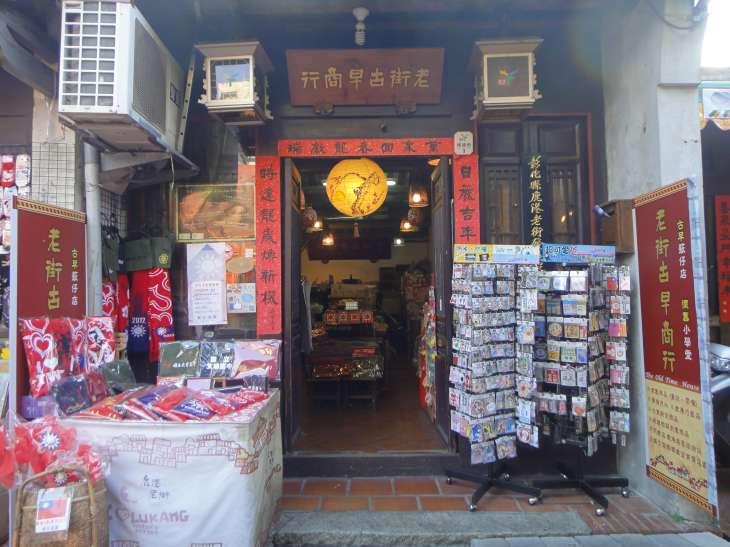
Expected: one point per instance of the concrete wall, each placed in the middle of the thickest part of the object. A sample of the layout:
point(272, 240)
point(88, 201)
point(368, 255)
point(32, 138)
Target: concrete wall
point(650, 73)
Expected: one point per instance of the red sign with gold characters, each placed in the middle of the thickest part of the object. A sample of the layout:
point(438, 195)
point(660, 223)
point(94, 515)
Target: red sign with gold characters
point(365, 76)
point(50, 265)
point(342, 148)
point(268, 246)
point(679, 456)
point(466, 199)
point(722, 238)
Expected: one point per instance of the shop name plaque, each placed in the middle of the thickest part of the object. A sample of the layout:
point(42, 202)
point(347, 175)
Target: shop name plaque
point(365, 76)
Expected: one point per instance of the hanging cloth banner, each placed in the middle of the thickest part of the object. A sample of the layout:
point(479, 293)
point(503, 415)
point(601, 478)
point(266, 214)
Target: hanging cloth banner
point(680, 453)
point(466, 199)
point(268, 246)
point(722, 239)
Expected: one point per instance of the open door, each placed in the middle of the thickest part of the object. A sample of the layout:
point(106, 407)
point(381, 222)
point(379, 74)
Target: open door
point(441, 251)
point(293, 370)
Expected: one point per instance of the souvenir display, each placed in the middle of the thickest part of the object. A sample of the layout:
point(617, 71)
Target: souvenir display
point(492, 373)
point(580, 356)
point(427, 355)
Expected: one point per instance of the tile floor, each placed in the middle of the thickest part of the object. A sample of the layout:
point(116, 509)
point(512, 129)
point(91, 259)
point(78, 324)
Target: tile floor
point(397, 424)
point(625, 515)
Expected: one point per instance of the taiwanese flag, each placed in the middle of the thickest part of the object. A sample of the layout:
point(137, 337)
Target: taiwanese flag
point(52, 509)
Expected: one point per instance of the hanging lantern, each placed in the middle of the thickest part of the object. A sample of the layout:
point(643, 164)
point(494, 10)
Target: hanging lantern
point(309, 217)
point(406, 226)
point(328, 240)
point(418, 196)
point(416, 216)
point(357, 188)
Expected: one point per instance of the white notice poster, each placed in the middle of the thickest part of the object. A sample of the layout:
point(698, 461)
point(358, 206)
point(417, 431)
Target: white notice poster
point(207, 284)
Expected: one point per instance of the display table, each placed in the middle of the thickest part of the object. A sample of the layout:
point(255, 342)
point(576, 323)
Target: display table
point(173, 484)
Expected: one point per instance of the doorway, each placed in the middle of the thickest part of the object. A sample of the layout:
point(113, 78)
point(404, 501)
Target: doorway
point(366, 364)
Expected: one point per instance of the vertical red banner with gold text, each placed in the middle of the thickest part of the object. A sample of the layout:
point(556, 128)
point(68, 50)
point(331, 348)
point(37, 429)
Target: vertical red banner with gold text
point(268, 246)
point(678, 450)
point(50, 258)
point(466, 199)
point(722, 240)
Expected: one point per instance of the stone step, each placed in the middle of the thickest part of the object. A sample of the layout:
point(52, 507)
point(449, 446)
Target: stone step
point(418, 529)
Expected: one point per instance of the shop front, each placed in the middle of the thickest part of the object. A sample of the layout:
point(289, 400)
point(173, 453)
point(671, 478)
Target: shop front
point(361, 298)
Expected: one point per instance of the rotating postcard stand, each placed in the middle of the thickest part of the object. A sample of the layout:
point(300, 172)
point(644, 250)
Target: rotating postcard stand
point(494, 295)
point(580, 360)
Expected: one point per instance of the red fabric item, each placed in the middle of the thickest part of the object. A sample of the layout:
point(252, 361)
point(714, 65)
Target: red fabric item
point(122, 302)
point(77, 328)
point(61, 331)
point(41, 353)
point(159, 311)
point(100, 341)
point(7, 461)
point(7, 171)
point(109, 299)
point(42, 442)
point(138, 342)
point(96, 385)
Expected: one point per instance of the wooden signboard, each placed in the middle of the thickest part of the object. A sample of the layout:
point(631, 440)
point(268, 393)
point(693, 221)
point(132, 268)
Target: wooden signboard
point(365, 76)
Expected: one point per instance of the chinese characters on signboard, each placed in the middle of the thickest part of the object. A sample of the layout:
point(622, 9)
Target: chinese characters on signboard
point(51, 268)
point(365, 76)
point(466, 199)
point(365, 147)
point(680, 454)
point(268, 246)
point(535, 200)
point(722, 238)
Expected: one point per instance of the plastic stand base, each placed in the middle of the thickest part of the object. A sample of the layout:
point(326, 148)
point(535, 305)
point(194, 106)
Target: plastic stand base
point(586, 483)
point(495, 478)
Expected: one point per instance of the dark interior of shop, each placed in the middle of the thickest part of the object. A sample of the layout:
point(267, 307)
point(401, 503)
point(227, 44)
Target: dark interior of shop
point(366, 385)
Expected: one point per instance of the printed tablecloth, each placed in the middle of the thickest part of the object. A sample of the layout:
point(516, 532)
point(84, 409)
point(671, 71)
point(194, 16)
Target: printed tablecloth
point(212, 484)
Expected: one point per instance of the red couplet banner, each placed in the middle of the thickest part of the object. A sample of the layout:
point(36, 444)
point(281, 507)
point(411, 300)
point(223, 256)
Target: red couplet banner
point(268, 246)
point(466, 199)
point(722, 239)
point(49, 258)
point(679, 452)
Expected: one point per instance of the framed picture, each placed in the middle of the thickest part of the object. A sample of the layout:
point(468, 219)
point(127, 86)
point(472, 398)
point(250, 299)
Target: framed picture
point(508, 78)
point(215, 212)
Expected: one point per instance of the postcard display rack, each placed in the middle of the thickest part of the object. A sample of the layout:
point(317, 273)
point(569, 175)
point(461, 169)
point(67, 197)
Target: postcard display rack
point(580, 359)
point(539, 349)
point(494, 298)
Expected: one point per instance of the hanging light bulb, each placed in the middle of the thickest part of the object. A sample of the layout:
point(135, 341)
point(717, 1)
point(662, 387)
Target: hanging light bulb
point(417, 196)
point(360, 14)
point(317, 226)
point(398, 242)
point(406, 226)
point(356, 231)
point(328, 240)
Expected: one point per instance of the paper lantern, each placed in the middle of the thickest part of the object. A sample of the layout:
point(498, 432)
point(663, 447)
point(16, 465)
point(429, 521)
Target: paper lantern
point(406, 226)
point(418, 196)
point(357, 188)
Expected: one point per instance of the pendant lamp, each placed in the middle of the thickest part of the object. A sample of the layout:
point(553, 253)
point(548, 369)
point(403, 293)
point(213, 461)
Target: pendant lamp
point(417, 195)
point(406, 226)
point(328, 240)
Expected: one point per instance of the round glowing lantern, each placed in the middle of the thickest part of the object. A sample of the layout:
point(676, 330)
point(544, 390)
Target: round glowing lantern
point(357, 188)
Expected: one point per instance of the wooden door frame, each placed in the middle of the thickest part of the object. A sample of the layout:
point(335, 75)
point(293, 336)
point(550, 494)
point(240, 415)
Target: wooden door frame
point(435, 147)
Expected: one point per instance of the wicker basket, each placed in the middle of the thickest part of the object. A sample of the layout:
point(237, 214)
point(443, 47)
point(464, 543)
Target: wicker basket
point(88, 526)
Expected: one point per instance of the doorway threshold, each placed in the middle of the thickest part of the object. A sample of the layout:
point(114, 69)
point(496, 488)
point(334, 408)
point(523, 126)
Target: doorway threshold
point(368, 464)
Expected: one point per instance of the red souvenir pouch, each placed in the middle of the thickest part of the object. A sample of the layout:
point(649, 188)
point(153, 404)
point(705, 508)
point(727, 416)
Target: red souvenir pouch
point(164, 406)
point(139, 406)
point(221, 403)
point(41, 355)
point(248, 397)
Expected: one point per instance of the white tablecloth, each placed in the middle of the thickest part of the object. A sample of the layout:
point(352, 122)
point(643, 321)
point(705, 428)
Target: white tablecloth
point(172, 484)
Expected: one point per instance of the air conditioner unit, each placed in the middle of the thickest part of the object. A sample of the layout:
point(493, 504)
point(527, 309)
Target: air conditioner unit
point(118, 81)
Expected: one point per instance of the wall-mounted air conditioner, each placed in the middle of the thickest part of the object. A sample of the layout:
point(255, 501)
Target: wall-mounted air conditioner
point(118, 81)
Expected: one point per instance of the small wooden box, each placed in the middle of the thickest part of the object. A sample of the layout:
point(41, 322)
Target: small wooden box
point(618, 229)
